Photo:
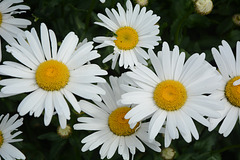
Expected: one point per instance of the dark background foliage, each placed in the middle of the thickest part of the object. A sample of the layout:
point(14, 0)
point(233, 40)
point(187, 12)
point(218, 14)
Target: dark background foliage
point(179, 25)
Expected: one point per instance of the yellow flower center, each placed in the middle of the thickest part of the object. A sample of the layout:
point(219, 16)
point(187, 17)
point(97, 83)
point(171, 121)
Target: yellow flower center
point(0, 18)
point(127, 38)
point(52, 75)
point(1, 139)
point(118, 124)
point(170, 95)
point(232, 92)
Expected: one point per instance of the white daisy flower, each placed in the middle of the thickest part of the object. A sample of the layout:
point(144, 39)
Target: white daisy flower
point(10, 26)
point(51, 74)
point(229, 91)
point(112, 131)
point(8, 125)
point(175, 95)
point(134, 30)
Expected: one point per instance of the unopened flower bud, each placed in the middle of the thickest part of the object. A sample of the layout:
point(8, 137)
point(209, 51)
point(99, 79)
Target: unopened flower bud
point(168, 153)
point(142, 2)
point(203, 7)
point(236, 19)
point(64, 133)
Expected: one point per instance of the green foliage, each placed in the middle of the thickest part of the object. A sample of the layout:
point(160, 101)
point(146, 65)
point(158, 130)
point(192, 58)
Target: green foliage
point(179, 25)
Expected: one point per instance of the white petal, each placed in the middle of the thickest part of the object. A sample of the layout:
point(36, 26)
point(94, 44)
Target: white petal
point(67, 47)
point(71, 98)
point(92, 109)
point(23, 86)
point(195, 115)
point(157, 65)
point(45, 41)
point(53, 40)
point(6, 36)
point(60, 104)
point(62, 120)
point(113, 147)
point(30, 101)
point(238, 58)
point(229, 122)
point(171, 125)
point(34, 44)
point(156, 123)
point(13, 151)
point(49, 108)
point(88, 91)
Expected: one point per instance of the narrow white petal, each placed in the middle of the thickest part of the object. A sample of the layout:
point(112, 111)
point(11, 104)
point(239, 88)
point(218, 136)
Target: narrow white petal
point(156, 123)
point(171, 125)
point(34, 44)
point(53, 40)
point(238, 58)
point(6, 36)
point(49, 108)
point(60, 105)
point(13, 151)
point(113, 147)
point(157, 64)
point(88, 91)
point(92, 109)
point(105, 147)
point(30, 101)
point(220, 63)
point(215, 121)
point(99, 140)
point(45, 41)
point(228, 56)
point(67, 47)
point(62, 120)
point(71, 98)
point(229, 122)
point(195, 115)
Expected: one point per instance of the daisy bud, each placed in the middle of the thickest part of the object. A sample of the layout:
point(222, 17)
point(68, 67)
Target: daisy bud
point(236, 19)
point(64, 133)
point(142, 2)
point(168, 153)
point(203, 7)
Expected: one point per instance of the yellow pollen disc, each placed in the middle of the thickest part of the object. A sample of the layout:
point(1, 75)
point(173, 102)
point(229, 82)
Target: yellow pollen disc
point(118, 124)
point(127, 38)
point(232, 92)
point(52, 75)
point(170, 95)
point(1, 139)
point(0, 18)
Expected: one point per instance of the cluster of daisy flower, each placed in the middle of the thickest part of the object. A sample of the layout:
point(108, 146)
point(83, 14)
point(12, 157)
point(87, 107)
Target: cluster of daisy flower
point(160, 93)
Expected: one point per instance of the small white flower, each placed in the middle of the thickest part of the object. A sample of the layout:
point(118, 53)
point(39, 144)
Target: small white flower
point(229, 91)
point(9, 25)
point(8, 125)
point(112, 131)
point(51, 74)
point(174, 95)
point(134, 30)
